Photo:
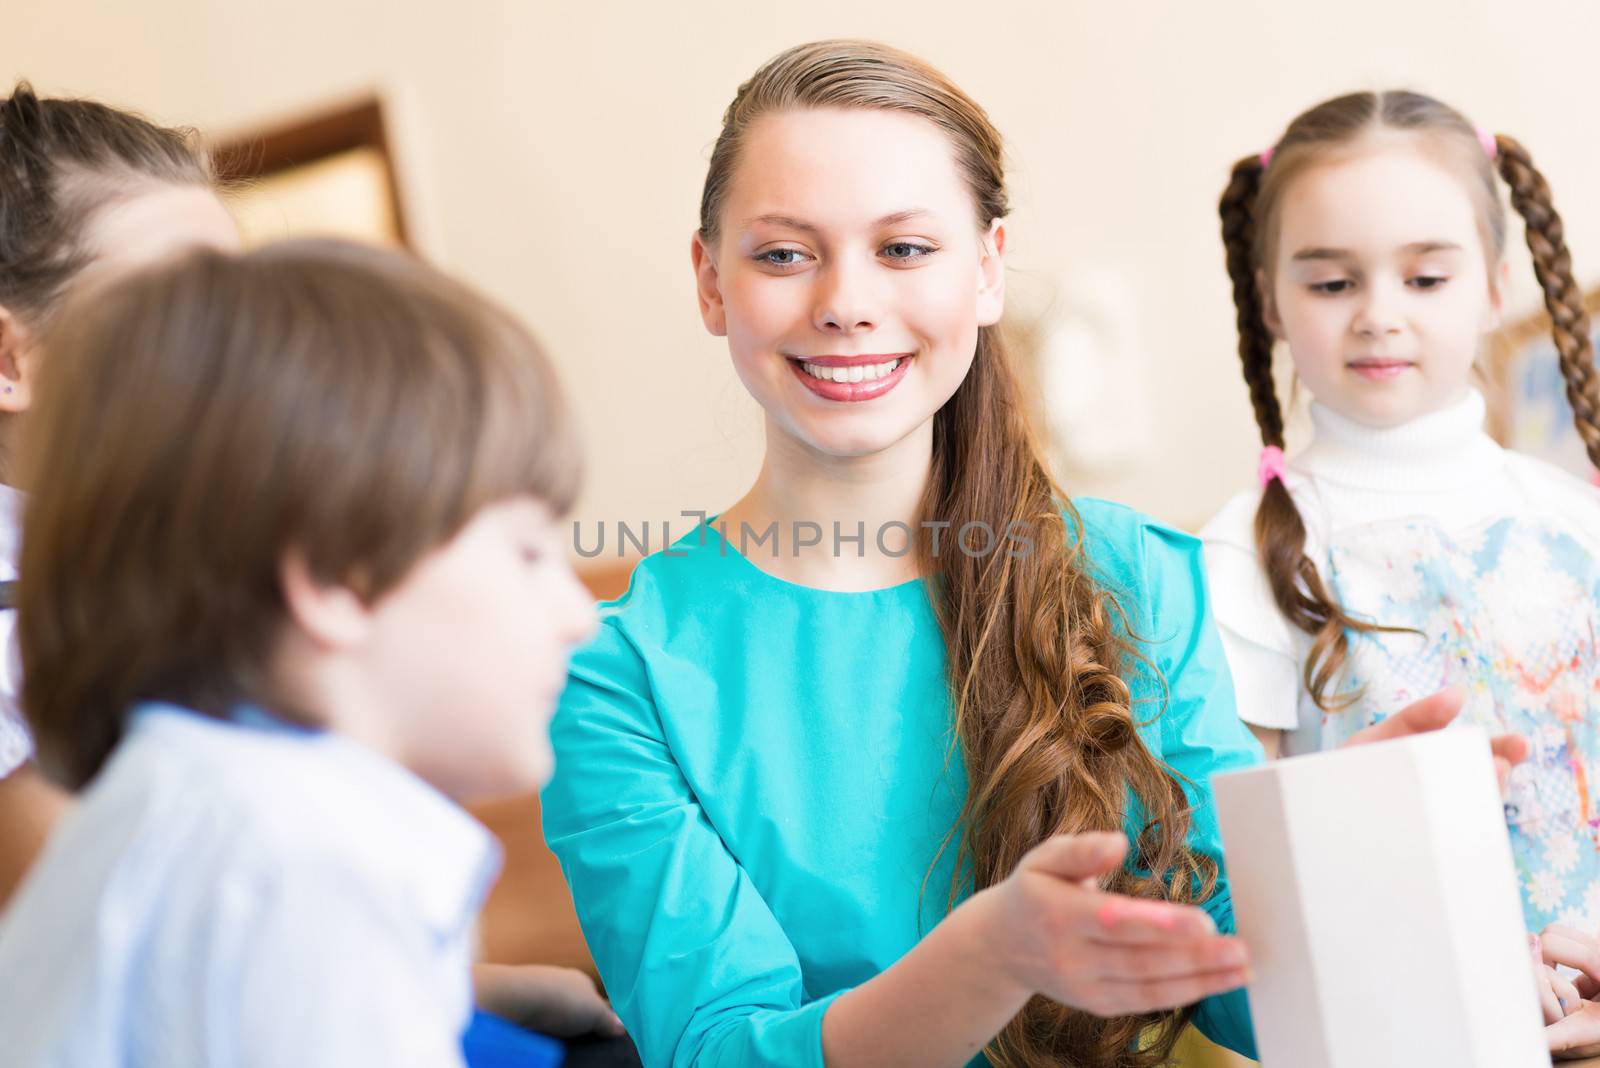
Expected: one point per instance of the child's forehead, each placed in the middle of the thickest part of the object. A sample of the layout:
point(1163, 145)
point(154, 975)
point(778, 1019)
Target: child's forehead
point(1392, 192)
point(524, 511)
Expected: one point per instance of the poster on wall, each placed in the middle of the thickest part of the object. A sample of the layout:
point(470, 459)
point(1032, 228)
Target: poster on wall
point(1529, 411)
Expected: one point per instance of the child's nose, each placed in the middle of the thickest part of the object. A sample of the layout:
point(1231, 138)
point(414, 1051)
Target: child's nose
point(1379, 314)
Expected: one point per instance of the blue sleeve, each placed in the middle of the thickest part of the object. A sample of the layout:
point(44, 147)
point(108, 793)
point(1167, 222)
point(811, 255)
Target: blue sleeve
point(1200, 730)
point(692, 957)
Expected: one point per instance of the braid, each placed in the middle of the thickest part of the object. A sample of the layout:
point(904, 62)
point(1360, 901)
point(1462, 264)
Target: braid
point(1297, 588)
point(1552, 264)
point(1255, 342)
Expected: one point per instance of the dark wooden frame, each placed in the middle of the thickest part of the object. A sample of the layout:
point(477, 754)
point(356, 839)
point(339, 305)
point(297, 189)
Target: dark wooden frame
point(283, 147)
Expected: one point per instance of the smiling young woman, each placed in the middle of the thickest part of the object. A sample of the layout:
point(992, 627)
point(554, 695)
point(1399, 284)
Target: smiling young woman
point(862, 802)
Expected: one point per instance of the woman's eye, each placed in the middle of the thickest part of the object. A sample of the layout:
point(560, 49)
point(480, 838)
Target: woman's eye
point(907, 250)
point(1429, 281)
point(782, 257)
point(1337, 285)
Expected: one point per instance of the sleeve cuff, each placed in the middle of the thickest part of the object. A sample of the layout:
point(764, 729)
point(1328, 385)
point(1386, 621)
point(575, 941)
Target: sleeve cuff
point(772, 1038)
point(1266, 684)
point(1225, 1020)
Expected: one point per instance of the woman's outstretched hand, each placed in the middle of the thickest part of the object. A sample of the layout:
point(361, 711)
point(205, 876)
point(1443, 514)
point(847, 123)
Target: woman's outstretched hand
point(1056, 933)
point(1435, 713)
point(1046, 929)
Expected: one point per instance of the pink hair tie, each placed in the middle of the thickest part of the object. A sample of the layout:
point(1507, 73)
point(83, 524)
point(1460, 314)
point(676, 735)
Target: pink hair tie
point(1265, 156)
point(1271, 465)
point(1490, 146)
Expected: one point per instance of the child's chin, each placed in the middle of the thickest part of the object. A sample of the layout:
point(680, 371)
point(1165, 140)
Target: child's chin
point(531, 774)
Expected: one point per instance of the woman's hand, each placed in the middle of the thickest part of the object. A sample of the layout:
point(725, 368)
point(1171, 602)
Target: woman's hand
point(1047, 929)
point(561, 1002)
point(1054, 932)
point(1435, 713)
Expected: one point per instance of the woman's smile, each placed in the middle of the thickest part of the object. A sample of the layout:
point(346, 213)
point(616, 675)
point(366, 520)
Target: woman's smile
point(851, 378)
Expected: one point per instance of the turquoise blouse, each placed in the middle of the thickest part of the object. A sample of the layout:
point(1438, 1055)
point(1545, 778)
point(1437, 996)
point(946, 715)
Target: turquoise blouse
point(753, 779)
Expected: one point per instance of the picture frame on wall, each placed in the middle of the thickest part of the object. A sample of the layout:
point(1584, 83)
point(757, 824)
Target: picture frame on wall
point(1527, 394)
point(327, 173)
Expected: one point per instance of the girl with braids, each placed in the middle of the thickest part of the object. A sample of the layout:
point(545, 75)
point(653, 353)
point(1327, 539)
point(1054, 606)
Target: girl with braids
point(897, 798)
point(85, 190)
point(1403, 550)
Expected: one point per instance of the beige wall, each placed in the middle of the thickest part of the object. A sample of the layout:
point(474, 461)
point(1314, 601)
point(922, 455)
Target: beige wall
point(553, 153)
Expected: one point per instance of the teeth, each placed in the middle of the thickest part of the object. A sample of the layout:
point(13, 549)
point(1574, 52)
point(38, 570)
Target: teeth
point(856, 373)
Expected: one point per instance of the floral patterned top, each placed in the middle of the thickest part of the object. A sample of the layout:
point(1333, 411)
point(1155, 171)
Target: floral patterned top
point(1489, 562)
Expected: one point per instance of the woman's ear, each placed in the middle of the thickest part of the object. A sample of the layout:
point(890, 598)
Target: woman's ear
point(1269, 306)
point(708, 287)
point(16, 363)
point(992, 274)
point(331, 616)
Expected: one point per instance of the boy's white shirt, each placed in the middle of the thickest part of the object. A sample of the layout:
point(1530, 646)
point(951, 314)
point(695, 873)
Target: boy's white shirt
point(245, 893)
point(1441, 466)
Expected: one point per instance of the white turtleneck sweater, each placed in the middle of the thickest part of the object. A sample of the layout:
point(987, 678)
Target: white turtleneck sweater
point(1495, 558)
